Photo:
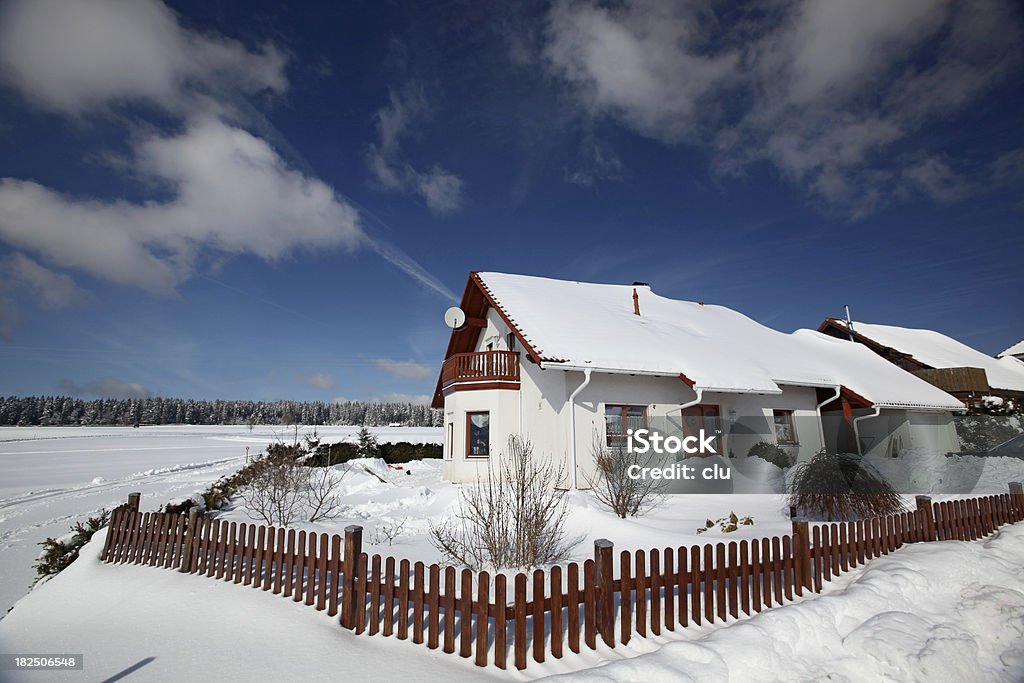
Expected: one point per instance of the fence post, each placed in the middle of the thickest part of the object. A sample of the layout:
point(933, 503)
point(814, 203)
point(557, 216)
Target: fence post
point(603, 551)
point(353, 550)
point(802, 551)
point(190, 535)
point(1017, 493)
point(927, 528)
point(133, 501)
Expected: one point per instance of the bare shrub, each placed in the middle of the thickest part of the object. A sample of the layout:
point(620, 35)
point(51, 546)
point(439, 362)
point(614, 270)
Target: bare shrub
point(321, 492)
point(282, 489)
point(841, 486)
point(387, 532)
point(513, 520)
point(612, 485)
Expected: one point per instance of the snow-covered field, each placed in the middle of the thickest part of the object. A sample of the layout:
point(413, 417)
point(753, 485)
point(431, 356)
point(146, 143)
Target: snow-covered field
point(948, 611)
point(51, 477)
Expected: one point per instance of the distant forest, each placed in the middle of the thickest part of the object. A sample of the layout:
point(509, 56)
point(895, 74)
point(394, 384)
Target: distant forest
point(67, 410)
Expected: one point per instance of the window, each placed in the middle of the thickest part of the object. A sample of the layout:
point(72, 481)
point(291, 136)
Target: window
point(705, 417)
point(510, 341)
point(618, 419)
point(785, 432)
point(450, 450)
point(478, 435)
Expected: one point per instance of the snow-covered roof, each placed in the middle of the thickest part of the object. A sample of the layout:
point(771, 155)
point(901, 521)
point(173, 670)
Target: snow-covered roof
point(577, 325)
point(1015, 350)
point(939, 351)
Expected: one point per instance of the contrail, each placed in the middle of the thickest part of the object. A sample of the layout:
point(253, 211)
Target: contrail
point(388, 251)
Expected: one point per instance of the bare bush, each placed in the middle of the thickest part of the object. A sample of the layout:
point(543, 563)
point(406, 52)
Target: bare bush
point(321, 492)
point(513, 520)
point(612, 485)
point(839, 487)
point(282, 489)
point(387, 532)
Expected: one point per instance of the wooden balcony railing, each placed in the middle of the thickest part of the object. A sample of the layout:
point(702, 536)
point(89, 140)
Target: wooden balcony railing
point(481, 366)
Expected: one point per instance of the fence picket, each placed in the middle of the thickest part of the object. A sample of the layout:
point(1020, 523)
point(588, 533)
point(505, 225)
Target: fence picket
point(589, 605)
point(669, 584)
point(375, 596)
point(520, 621)
point(640, 560)
point(403, 600)
point(654, 580)
point(417, 602)
point(388, 596)
point(556, 612)
point(483, 601)
point(573, 607)
point(434, 606)
point(448, 598)
point(465, 601)
point(500, 622)
point(538, 615)
point(756, 576)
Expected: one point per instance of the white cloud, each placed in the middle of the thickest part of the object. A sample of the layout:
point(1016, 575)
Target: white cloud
point(405, 369)
point(107, 387)
point(231, 192)
point(438, 187)
point(830, 93)
point(52, 290)
point(316, 379)
point(646, 63)
point(86, 54)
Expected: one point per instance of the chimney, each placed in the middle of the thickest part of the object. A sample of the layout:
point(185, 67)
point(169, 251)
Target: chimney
point(636, 302)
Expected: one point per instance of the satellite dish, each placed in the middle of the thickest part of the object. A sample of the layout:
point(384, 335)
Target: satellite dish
point(454, 317)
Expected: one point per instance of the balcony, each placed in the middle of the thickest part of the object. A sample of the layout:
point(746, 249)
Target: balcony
point(481, 370)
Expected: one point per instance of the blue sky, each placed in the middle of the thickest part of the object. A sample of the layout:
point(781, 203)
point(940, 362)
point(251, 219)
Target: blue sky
point(255, 200)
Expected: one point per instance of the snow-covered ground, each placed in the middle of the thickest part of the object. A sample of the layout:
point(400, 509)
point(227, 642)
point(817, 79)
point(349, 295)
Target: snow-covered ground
point(51, 477)
point(946, 608)
point(950, 611)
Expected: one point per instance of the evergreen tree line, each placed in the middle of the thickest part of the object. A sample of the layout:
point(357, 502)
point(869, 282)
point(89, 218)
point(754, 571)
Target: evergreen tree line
point(67, 410)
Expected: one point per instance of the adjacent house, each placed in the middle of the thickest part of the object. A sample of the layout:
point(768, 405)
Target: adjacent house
point(1017, 351)
point(574, 365)
point(943, 361)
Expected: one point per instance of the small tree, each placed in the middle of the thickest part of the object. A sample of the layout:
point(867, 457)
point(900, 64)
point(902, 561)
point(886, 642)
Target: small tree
point(612, 485)
point(514, 519)
point(367, 445)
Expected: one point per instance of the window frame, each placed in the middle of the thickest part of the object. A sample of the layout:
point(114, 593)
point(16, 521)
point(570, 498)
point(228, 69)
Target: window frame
point(621, 437)
point(789, 415)
point(469, 425)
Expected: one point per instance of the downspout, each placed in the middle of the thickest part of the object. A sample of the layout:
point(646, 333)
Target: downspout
point(683, 406)
point(572, 422)
point(817, 410)
point(856, 434)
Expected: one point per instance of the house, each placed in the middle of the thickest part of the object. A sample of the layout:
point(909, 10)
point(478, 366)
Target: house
point(1017, 351)
point(573, 365)
point(943, 361)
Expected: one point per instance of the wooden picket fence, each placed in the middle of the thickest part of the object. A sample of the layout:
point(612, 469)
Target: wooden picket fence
point(543, 613)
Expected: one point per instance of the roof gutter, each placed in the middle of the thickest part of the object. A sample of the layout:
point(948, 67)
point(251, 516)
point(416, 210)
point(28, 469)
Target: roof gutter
point(856, 433)
point(572, 421)
point(817, 409)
